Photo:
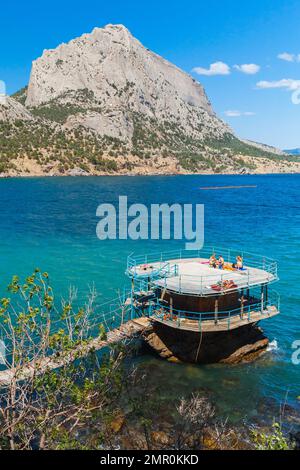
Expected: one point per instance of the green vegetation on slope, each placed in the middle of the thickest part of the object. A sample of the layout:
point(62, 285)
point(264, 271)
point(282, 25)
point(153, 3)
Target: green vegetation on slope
point(20, 95)
point(48, 144)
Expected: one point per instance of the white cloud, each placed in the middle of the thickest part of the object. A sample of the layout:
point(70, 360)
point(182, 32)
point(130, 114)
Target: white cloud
point(235, 113)
point(2, 92)
point(287, 83)
point(249, 69)
point(217, 68)
point(289, 57)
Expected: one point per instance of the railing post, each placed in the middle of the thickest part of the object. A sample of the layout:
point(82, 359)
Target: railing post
point(262, 299)
point(242, 304)
point(131, 298)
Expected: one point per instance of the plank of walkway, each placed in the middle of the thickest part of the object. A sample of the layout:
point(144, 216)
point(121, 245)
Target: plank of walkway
point(124, 332)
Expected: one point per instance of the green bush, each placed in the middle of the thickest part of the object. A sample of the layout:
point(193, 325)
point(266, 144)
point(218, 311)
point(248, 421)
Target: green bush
point(273, 441)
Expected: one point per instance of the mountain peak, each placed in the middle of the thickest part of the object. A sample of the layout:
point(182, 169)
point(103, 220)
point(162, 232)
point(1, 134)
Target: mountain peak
point(119, 75)
point(117, 27)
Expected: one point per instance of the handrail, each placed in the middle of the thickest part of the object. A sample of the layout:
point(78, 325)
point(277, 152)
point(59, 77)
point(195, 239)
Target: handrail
point(167, 255)
point(160, 311)
point(252, 260)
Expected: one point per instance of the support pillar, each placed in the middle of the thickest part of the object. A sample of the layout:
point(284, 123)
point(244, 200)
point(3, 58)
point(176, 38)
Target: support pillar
point(216, 309)
point(131, 303)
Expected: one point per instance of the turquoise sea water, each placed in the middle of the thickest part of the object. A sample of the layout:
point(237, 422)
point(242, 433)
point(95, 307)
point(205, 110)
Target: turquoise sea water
point(51, 223)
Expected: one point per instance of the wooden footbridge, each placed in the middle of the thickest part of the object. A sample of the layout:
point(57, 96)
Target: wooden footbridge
point(124, 333)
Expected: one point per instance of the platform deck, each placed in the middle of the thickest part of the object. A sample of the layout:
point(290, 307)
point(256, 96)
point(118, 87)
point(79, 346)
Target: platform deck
point(225, 324)
point(195, 277)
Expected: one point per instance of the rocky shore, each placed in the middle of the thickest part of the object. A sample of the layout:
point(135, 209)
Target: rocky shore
point(24, 167)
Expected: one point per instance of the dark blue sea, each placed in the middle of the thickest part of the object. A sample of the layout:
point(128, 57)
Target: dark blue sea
point(50, 223)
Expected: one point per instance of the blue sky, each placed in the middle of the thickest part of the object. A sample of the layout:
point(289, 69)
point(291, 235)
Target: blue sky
point(192, 34)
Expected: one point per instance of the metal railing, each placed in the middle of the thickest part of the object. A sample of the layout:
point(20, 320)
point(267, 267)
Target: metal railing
point(164, 269)
point(164, 266)
point(177, 318)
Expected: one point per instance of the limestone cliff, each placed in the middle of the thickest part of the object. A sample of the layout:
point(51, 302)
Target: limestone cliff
point(117, 78)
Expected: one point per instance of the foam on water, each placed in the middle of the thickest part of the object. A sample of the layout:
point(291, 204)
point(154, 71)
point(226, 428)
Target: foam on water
point(273, 345)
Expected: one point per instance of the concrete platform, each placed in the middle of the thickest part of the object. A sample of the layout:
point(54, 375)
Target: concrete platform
point(194, 276)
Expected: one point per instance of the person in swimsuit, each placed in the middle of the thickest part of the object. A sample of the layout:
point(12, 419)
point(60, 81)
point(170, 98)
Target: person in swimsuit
point(239, 262)
point(213, 261)
point(221, 262)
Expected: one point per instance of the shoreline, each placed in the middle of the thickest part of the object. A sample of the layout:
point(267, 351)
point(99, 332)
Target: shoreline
point(5, 177)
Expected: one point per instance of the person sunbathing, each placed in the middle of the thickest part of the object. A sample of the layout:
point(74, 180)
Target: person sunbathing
point(229, 284)
point(213, 261)
point(221, 262)
point(224, 285)
point(239, 262)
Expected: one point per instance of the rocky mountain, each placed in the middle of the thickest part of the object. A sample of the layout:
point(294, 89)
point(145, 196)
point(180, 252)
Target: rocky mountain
point(12, 110)
point(104, 103)
point(265, 147)
point(111, 77)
